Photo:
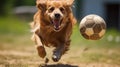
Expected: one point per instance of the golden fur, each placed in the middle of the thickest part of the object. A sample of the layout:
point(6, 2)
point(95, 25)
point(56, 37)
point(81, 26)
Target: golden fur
point(49, 34)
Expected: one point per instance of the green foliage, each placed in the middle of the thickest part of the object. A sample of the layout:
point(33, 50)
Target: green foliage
point(24, 2)
point(7, 5)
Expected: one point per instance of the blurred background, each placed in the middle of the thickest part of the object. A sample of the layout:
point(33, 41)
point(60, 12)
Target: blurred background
point(16, 48)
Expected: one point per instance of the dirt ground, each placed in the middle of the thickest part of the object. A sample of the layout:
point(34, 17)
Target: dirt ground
point(29, 58)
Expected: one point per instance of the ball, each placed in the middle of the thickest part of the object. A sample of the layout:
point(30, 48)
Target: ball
point(92, 27)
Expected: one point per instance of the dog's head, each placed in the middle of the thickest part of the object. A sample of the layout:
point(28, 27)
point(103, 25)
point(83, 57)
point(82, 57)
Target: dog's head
point(55, 12)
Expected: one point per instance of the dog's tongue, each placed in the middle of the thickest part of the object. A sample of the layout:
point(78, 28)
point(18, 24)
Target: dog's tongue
point(56, 24)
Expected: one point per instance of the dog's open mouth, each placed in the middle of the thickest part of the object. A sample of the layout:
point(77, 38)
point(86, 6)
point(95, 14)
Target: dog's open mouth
point(56, 23)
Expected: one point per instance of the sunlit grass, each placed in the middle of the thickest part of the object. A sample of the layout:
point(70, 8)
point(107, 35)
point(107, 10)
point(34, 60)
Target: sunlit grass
point(13, 25)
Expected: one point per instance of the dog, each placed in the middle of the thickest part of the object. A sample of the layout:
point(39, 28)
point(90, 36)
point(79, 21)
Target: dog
point(52, 26)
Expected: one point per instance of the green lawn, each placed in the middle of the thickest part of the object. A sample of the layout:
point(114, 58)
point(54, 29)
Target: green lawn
point(17, 48)
point(12, 25)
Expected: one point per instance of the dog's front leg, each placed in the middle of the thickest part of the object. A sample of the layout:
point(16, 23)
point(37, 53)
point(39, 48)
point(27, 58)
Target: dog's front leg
point(57, 53)
point(60, 50)
point(39, 45)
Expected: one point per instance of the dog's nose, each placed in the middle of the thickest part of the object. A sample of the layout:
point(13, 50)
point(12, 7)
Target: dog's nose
point(57, 15)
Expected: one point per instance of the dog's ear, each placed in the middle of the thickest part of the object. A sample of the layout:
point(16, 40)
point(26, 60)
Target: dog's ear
point(41, 4)
point(69, 2)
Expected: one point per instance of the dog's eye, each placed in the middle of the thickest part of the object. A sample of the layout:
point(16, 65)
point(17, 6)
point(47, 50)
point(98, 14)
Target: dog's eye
point(62, 9)
point(51, 9)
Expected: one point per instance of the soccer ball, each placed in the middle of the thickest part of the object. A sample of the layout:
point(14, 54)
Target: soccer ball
point(92, 27)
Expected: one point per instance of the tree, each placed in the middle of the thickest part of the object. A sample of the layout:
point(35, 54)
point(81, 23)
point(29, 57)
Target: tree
point(2, 7)
point(24, 2)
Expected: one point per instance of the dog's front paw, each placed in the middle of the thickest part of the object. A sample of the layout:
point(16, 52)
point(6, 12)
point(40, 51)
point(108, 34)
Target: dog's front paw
point(41, 51)
point(55, 58)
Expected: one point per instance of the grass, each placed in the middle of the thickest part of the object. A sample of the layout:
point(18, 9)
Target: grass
point(12, 25)
point(16, 48)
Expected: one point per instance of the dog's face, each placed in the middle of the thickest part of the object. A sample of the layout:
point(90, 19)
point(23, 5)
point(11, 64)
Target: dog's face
point(56, 13)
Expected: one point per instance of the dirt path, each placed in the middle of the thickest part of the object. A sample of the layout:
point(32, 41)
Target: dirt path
point(30, 59)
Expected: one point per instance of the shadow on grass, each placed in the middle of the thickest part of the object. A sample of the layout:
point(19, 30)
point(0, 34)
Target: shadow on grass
point(59, 65)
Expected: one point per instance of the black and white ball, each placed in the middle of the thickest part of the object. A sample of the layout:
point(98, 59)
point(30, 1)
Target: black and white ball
point(92, 27)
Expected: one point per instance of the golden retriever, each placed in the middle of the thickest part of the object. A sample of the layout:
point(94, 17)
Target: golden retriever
point(52, 26)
